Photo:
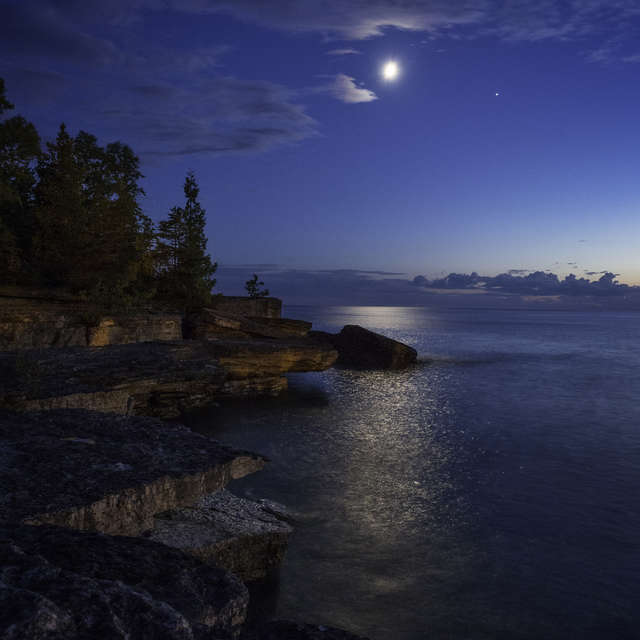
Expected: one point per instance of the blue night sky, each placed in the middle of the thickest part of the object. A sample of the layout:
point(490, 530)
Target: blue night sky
point(307, 158)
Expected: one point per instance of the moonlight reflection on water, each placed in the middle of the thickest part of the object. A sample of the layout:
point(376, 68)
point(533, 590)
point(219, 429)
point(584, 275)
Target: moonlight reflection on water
point(487, 492)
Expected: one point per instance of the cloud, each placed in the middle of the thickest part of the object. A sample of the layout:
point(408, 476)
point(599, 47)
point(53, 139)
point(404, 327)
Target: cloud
point(222, 114)
point(343, 52)
point(344, 88)
point(323, 286)
point(537, 283)
point(163, 101)
point(37, 30)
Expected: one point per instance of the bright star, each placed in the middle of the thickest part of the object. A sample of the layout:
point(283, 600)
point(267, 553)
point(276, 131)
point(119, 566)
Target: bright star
point(390, 70)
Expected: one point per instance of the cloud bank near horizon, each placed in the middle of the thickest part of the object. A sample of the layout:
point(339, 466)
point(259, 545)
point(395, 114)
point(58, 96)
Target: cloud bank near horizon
point(535, 283)
point(352, 287)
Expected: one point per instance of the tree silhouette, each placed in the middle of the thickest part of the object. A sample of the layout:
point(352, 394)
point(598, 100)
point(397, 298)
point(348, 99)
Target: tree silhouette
point(19, 149)
point(185, 269)
point(253, 288)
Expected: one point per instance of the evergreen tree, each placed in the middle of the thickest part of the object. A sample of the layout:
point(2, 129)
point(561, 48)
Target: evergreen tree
point(5, 105)
point(185, 269)
point(253, 288)
point(93, 236)
point(19, 149)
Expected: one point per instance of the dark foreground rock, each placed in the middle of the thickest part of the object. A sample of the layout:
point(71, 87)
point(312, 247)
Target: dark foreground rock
point(162, 379)
point(360, 348)
point(286, 630)
point(236, 534)
point(104, 472)
point(57, 584)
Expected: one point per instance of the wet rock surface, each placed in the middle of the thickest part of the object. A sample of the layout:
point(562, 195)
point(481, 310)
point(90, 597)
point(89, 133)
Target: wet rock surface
point(360, 348)
point(286, 630)
point(104, 472)
point(240, 535)
point(61, 584)
point(163, 379)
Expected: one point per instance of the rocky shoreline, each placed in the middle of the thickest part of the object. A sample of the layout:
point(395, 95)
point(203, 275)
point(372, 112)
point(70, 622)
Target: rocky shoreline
point(114, 523)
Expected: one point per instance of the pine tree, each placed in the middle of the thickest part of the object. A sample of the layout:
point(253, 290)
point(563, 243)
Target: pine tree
point(185, 269)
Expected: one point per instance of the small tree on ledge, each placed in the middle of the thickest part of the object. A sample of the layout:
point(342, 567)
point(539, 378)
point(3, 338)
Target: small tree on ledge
point(252, 287)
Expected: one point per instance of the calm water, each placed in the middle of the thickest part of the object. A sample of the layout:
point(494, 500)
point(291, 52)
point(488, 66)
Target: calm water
point(491, 492)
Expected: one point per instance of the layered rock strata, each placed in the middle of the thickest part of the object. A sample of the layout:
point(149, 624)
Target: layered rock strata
point(248, 307)
point(161, 379)
point(236, 534)
point(37, 323)
point(109, 473)
point(210, 324)
point(58, 583)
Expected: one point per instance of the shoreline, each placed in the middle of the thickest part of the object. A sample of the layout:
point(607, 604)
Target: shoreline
point(85, 458)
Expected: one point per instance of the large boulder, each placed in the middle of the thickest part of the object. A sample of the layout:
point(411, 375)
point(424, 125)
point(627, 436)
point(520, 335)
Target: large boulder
point(58, 584)
point(360, 348)
point(106, 472)
point(234, 533)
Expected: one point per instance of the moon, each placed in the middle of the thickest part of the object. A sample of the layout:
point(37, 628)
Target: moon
point(390, 70)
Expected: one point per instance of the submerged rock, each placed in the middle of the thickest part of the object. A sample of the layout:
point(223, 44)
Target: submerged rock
point(62, 584)
point(237, 534)
point(162, 379)
point(105, 472)
point(360, 348)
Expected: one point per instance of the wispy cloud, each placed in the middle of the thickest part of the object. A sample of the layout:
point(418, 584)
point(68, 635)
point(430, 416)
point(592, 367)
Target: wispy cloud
point(343, 52)
point(344, 88)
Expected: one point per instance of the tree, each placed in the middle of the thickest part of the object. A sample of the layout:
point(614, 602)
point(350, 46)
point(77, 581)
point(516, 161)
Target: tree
point(19, 149)
point(5, 105)
point(253, 288)
point(93, 236)
point(185, 270)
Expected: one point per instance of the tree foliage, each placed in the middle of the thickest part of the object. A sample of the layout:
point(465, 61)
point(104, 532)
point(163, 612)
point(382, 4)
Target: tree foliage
point(19, 150)
point(253, 288)
point(5, 105)
point(184, 267)
point(92, 235)
point(70, 217)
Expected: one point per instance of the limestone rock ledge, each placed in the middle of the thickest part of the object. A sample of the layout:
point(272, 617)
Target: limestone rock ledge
point(210, 324)
point(58, 583)
point(104, 472)
point(234, 533)
point(161, 379)
point(37, 323)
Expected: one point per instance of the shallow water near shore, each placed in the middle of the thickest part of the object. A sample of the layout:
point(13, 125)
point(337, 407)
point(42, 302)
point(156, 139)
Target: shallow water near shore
point(492, 491)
